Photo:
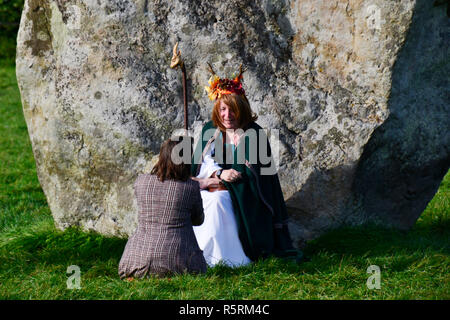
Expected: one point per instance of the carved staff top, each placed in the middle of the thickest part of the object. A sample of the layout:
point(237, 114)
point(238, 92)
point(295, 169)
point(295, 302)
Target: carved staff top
point(177, 62)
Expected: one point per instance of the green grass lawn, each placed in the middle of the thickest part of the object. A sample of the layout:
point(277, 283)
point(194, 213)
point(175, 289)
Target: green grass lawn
point(35, 256)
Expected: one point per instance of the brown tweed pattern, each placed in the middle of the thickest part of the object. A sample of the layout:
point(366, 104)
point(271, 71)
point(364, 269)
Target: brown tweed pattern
point(164, 241)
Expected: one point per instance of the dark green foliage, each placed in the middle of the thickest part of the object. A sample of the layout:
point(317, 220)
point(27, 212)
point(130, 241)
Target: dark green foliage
point(10, 13)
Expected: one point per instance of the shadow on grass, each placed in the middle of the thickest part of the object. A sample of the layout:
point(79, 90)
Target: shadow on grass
point(101, 255)
point(397, 249)
point(373, 241)
point(360, 247)
point(88, 250)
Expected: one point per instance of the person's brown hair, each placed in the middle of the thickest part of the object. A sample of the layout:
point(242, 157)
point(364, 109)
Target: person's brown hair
point(165, 168)
point(241, 109)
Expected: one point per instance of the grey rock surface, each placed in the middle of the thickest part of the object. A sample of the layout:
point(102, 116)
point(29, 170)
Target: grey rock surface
point(358, 91)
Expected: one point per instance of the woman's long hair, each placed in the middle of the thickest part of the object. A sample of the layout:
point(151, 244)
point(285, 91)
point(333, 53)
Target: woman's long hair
point(241, 109)
point(165, 168)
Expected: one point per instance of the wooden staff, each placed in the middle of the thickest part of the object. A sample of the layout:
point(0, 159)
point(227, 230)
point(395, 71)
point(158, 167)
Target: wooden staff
point(177, 62)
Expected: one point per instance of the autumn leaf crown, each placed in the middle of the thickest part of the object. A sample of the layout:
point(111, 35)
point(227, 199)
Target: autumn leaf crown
point(219, 87)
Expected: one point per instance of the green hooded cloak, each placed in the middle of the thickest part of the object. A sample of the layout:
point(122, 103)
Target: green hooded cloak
point(257, 198)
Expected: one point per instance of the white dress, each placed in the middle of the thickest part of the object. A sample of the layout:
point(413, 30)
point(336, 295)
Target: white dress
point(218, 235)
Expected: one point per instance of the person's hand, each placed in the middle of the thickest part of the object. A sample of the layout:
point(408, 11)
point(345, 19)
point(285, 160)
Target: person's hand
point(208, 182)
point(230, 175)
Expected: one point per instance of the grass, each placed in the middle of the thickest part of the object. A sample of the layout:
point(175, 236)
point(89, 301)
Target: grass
point(35, 256)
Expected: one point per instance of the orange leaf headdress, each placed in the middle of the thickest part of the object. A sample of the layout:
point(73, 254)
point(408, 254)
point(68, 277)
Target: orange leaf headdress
point(218, 87)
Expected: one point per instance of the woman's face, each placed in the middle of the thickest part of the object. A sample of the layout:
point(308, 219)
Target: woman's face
point(229, 120)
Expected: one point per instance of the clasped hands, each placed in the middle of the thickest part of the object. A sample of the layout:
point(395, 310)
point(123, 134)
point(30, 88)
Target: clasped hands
point(229, 175)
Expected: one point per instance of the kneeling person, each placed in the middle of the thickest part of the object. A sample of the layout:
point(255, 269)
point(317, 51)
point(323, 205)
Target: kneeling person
point(169, 204)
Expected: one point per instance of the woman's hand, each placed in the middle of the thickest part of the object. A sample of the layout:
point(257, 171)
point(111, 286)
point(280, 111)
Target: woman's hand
point(208, 182)
point(230, 175)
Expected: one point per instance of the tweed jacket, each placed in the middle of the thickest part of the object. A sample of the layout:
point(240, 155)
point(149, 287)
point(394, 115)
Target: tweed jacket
point(164, 241)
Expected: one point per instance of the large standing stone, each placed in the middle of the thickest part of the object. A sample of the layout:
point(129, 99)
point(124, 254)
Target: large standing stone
point(357, 89)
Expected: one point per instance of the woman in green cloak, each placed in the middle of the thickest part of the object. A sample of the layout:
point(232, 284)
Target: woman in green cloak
point(245, 212)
